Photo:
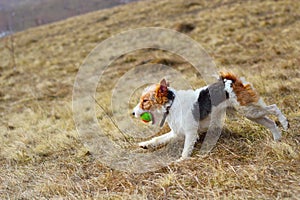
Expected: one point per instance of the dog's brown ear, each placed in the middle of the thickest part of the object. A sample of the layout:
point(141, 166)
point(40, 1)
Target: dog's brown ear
point(163, 85)
point(163, 82)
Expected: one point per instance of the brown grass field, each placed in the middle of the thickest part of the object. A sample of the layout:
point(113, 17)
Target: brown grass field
point(42, 157)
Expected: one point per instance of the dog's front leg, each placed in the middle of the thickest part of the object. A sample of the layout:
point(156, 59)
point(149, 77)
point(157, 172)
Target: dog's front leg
point(156, 141)
point(189, 142)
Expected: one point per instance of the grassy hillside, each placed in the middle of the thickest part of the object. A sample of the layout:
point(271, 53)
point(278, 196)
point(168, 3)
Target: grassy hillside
point(42, 156)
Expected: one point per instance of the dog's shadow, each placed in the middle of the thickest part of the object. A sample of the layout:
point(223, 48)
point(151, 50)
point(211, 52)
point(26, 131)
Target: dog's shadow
point(226, 136)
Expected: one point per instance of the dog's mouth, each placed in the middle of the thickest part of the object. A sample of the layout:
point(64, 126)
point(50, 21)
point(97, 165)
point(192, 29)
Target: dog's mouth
point(147, 117)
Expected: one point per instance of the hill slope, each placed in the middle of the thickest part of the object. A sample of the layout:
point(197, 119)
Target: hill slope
point(42, 156)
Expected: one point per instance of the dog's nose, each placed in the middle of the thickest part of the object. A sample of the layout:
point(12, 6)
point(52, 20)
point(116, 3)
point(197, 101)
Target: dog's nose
point(133, 113)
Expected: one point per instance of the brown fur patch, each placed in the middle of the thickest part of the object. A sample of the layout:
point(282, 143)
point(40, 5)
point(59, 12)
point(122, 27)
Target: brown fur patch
point(155, 97)
point(146, 102)
point(245, 93)
point(161, 94)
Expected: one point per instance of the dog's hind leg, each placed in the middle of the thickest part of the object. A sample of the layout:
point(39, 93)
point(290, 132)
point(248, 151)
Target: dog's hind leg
point(265, 121)
point(159, 140)
point(258, 113)
point(273, 109)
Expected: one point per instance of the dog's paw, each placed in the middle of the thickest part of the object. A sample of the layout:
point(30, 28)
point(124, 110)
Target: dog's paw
point(284, 122)
point(277, 139)
point(286, 125)
point(181, 159)
point(143, 145)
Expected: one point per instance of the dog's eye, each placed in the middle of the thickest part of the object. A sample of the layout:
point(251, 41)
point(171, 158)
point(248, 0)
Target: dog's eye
point(145, 100)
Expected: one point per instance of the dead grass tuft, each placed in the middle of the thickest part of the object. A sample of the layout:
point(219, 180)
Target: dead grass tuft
point(185, 27)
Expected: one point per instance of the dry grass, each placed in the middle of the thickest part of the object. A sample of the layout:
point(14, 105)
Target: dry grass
point(41, 155)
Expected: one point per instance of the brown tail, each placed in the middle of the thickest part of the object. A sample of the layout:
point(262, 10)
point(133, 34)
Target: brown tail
point(245, 93)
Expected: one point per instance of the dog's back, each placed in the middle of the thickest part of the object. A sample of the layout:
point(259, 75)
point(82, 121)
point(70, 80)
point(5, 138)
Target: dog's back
point(245, 94)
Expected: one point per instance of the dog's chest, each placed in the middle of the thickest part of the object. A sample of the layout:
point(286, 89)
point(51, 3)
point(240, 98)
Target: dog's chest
point(181, 111)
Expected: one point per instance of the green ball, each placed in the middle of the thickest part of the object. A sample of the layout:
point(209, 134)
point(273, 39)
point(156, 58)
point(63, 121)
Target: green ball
point(146, 117)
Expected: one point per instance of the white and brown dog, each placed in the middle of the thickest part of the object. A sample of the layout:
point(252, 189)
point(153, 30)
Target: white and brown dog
point(189, 112)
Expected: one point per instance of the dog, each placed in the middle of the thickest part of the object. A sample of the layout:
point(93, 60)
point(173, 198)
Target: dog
point(189, 112)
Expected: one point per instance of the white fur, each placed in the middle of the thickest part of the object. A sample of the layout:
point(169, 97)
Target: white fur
point(232, 97)
point(182, 122)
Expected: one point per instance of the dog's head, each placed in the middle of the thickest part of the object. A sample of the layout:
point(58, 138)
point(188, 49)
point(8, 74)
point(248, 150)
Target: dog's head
point(153, 100)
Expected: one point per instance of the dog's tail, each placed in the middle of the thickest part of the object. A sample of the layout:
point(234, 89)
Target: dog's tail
point(235, 87)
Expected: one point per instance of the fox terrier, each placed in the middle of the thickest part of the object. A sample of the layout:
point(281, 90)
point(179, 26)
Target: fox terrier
point(189, 112)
